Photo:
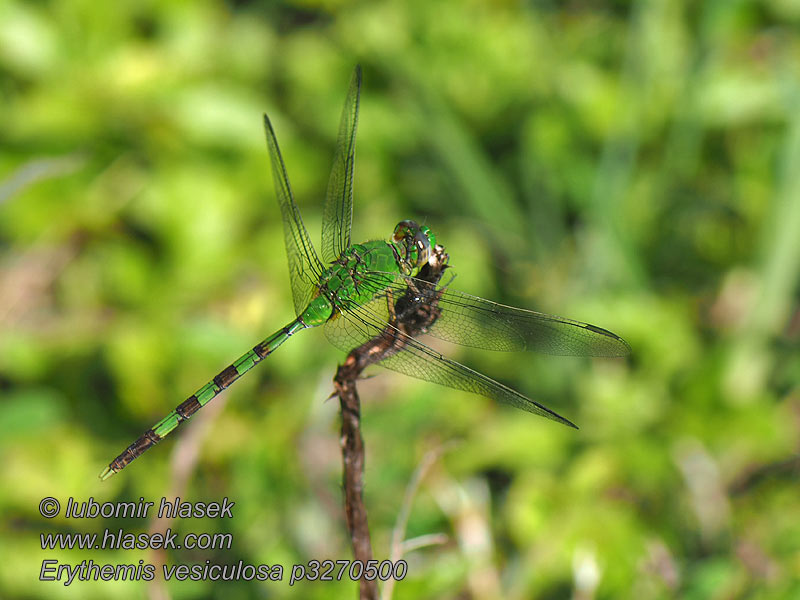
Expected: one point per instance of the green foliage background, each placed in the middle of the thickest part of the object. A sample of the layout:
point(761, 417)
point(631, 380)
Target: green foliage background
point(633, 165)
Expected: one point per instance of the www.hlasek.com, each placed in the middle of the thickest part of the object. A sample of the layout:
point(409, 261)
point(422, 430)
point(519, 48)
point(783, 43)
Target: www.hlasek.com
point(114, 539)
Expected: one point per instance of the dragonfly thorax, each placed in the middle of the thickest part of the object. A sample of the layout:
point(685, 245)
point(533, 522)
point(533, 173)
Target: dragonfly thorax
point(358, 273)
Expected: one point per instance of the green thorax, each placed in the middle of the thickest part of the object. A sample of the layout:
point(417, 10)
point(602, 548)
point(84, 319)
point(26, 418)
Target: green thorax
point(339, 286)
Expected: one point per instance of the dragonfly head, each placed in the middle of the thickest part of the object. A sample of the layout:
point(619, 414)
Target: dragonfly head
point(414, 243)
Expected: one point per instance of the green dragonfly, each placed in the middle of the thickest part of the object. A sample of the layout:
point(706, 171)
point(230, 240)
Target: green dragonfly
point(350, 291)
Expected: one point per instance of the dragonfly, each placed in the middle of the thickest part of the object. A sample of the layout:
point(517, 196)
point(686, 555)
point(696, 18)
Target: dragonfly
point(350, 290)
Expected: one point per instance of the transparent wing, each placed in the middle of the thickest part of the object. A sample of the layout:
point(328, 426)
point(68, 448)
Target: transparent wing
point(338, 212)
point(412, 357)
point(472, 321)
point(305, 267)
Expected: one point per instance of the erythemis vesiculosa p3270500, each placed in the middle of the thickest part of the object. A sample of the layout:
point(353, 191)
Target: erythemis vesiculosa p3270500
point(351, 291)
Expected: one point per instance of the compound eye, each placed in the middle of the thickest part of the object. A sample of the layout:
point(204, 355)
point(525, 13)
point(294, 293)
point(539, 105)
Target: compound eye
point(404, 230)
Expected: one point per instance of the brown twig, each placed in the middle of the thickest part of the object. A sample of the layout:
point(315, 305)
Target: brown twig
point(353, 459)
point(410, 319)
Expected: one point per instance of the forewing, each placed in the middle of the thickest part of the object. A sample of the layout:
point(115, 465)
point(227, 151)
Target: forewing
point(338, 212)
point(305, 267)
point(416, 359)
point(472, 321)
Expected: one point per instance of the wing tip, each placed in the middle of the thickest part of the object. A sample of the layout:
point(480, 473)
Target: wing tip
point(564, 420)
point(553, 415)
point(622, 348)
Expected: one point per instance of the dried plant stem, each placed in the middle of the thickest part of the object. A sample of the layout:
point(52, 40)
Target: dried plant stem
point(408, 322)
